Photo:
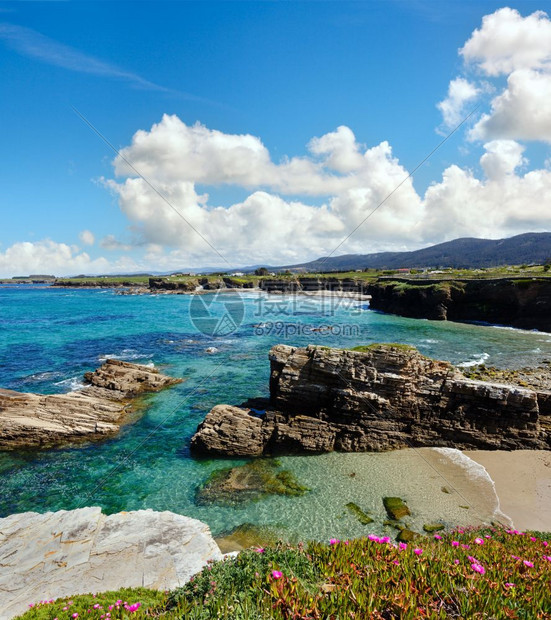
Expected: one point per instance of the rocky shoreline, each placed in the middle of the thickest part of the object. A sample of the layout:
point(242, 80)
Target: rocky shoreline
point(95, 412)
point(56, 554)
point(518, 302)
point(382, 397)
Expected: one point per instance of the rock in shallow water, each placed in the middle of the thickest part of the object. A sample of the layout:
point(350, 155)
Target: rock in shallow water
point(45, 556)
point(35, 420)
point(383, 397)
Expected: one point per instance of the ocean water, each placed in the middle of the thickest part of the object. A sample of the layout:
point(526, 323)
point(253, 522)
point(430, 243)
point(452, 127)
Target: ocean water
point(50, 337)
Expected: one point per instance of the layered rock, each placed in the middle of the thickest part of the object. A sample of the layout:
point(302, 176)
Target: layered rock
point(519, 302)
point(46, 556)
point(382, 398)
point(96, 411)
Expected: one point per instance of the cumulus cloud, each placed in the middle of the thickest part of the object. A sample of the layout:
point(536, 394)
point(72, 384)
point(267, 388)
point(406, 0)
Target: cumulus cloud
point(519, 49)
point(274, 222)
point(87, 237)
point(26, 258)
point(460, 92)
point(277, 221)
point(507, 42)
point(521, 111)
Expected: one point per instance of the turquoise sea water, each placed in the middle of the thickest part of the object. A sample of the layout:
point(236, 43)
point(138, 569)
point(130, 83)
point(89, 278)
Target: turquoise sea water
point(50, 337)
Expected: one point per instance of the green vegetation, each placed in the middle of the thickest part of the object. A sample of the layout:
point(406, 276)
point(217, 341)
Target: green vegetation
point(467, 573)
point(363, 517)
point(383, 345)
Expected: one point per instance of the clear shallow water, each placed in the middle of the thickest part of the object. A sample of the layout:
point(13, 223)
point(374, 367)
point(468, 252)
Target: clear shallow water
point(50, 337)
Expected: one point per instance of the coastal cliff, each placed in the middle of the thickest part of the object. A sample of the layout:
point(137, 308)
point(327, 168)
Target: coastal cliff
point(381, 398)
point(95, 412)
point(518, 302)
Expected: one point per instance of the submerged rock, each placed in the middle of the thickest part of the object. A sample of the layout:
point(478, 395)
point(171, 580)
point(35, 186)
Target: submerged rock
point(249, 482)
point(248, 535)
point(377, 398)
point(95, 412)
point(433, 527)
point(395, 508)
point(47, 556)
point(363, 517)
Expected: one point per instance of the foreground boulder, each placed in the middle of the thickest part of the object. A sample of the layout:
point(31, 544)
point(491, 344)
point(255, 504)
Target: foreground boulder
point(380, 398)
point(47, 556)
point(96, 411)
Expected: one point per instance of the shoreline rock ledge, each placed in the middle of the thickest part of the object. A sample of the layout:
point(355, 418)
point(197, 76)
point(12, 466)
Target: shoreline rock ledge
point(97, 411)
point(47, 556)
point(382, 397)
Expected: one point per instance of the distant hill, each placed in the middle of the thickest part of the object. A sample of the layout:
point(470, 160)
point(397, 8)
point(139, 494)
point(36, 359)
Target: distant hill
point(465, 253)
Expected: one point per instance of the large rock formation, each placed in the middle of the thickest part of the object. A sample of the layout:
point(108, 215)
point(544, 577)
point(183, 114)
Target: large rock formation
point(520, 302)
point(47, 556)
point(382, 398)
point(96, 411)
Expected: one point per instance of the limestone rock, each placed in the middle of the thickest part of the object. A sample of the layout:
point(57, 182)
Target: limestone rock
point(379, 398)
point(126, 380)
point(45, 556)
point(95, 412)
point(231, 431)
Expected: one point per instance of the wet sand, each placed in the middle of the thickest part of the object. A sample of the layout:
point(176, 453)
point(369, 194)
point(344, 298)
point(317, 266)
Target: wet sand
point(523, 484)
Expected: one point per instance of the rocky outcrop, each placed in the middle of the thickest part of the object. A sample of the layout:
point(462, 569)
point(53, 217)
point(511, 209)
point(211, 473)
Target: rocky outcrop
point(95, 412)
point(381, 398)
point(518, 302)
point(47, 556)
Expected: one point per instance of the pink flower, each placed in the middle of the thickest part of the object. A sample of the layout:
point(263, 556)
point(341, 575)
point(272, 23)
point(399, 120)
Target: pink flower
point(456, 561)
point(437, 537)
point(528, 563)
point(396, 562)
point(334, 541)
point(509, 585)
point(260, 550)
point(547, 557)
point(515, 557)
point(545, 543)
point(533, 539)
point(455, 543)
point(487, 536)
point(384, 539)
point(478, 568)
point(276, 574)
point(373, 537)
point(74, 616)
point(466, 546)
point(402, 546)
point(479, 541)
point(418, 551)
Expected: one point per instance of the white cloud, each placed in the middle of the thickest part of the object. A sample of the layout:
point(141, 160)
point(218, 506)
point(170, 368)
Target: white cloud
point(521, 112)
point(502, 204)
point(519, 48)
point(460, 92)
point(502, 158)
point(53, 258)
point(266, 226)
point(111, 243)
point(273, 225)
point(507, 42)
point(87, 237)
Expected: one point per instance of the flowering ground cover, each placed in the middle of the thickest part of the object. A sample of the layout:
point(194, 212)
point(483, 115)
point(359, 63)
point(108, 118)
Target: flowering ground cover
point(467, 573)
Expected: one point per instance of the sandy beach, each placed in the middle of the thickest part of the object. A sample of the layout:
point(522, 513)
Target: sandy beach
point(523, 484)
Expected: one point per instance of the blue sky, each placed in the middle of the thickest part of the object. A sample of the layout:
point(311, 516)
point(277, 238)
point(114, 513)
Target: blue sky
point(264, 80)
